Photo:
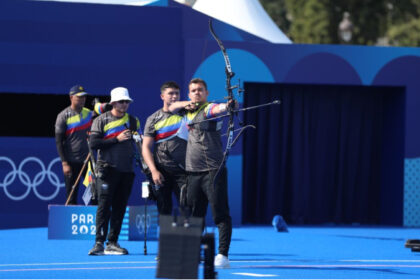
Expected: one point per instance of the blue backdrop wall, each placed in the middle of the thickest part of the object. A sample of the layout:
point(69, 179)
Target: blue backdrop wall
point(329, 65)
point(48, 47)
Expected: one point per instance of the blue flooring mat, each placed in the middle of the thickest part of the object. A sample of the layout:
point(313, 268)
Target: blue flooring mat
point(256, 253)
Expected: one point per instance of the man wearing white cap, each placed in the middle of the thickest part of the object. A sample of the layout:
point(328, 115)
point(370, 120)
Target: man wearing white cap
point(71, 127)
point(110, 135)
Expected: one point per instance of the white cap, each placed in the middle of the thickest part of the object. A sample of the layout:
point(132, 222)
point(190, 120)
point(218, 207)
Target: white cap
point(120, 93)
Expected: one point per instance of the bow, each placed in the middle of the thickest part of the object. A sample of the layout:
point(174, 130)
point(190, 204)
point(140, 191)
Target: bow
point(231, 112)
point(230, 98)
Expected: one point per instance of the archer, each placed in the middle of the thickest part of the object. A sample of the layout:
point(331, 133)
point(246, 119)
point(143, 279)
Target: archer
point(207, 174)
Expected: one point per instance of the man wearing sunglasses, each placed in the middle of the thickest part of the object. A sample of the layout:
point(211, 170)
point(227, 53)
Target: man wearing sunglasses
point(111, 133)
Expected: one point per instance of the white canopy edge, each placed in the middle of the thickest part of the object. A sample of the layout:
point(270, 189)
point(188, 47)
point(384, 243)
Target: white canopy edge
point(247, 15)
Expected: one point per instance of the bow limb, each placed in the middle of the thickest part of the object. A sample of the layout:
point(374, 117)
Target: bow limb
point(231, 101)
point(229, 72)
point(231, 104)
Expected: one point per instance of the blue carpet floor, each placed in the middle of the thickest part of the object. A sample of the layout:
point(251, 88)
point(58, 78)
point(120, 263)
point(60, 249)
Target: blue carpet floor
point(256, 253)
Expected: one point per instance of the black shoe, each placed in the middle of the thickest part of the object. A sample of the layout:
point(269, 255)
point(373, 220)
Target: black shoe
point(410, 243)
point(415, 249)
point(97, 250)
point(113, 248)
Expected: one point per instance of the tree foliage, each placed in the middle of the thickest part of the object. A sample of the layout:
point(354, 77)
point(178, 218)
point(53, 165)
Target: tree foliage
point(393, 22)
point(311, 22)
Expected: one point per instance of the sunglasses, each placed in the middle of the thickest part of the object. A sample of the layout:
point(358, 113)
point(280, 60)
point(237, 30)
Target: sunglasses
point(124, 101)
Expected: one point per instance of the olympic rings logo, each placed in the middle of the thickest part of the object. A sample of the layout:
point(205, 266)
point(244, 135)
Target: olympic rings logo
point(26, 180)
point(140, 219)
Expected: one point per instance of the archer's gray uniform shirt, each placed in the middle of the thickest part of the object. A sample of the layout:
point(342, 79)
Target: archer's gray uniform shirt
point(169, 151)
point(106, 128)
point(74, 126)
point(204, 149)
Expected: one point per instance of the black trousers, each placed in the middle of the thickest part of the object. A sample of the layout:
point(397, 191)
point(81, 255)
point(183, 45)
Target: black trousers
point(201, 191)
point(70, 180)
point(174, 180)
point(113, 193)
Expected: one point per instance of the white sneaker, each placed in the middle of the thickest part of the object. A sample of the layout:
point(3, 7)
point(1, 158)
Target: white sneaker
point(221, 262)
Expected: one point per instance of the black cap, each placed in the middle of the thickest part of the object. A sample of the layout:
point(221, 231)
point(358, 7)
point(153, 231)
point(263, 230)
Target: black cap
point(77, 90)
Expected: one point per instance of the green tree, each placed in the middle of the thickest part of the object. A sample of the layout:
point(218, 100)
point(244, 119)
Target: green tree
point(405, 34)
point(404, 23)
point(312, 21)
point(368, 18)
point(278, 12)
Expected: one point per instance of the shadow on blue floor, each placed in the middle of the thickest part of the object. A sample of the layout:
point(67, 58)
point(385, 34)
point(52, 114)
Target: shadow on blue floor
point(256, 253)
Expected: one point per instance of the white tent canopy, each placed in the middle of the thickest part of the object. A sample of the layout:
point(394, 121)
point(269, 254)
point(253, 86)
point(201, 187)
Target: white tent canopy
point(247, 15)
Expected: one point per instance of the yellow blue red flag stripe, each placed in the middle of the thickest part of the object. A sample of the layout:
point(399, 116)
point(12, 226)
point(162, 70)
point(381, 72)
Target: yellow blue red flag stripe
point(75, 123)
point(113, 129)
point(167, 128)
